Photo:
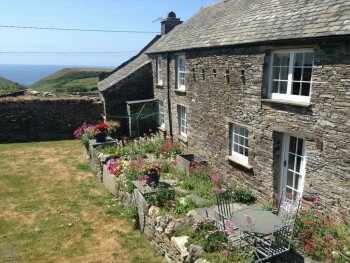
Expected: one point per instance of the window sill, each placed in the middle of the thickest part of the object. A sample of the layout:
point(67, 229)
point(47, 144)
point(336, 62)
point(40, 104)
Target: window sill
point(239, 161)
point(182, 138)
point(180, 91)
point(163, 129)
point(288, 102)
point(159, 86)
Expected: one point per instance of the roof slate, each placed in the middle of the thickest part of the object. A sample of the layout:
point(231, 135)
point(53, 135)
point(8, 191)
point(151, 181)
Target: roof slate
point(234, 22)
point(127, 68)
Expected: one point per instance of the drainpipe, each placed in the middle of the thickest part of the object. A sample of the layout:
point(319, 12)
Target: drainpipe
point(168, 91)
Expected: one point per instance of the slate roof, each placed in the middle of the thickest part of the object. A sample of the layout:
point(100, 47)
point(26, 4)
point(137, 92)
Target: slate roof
point(234, 22)
point(127, 68)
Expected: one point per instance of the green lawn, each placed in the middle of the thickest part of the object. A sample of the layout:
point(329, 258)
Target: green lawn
point(58, 211)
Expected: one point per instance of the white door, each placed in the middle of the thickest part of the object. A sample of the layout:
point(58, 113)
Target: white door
point(293, 165)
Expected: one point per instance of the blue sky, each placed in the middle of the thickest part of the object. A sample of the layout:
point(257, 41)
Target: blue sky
point(87, 14)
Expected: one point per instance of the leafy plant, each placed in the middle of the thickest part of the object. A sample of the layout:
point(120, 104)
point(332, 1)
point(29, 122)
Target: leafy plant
point(323, 236)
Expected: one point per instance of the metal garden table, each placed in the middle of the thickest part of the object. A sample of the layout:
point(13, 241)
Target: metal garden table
point(256, 222)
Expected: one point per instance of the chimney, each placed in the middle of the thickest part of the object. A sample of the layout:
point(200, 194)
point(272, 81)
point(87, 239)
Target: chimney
point(169, 23)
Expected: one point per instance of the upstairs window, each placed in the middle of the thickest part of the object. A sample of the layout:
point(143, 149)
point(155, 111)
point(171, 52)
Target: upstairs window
point(180, 71)
point(182, 113)
point(159, 71)
point(290, 75)
point(239, 142)
point(161, 122)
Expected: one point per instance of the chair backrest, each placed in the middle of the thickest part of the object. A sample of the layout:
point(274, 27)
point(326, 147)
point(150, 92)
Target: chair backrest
point(288, 208)
point(274, 245)
point(224, 204)
point(282, 237)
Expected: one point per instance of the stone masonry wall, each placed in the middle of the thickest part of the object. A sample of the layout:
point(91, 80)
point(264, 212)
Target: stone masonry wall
point(42, 119)
point(137, 86)
point(212, 104)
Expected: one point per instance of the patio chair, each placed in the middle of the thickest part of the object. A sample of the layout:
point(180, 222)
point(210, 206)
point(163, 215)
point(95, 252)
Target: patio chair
point(275, 244)
point(288, 209)
point(223, 209)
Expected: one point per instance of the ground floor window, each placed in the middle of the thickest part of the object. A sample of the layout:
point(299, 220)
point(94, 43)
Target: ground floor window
point(182, 113)
point(239, 141)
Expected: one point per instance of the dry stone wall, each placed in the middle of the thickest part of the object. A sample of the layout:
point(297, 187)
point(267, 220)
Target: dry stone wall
point(33, 119)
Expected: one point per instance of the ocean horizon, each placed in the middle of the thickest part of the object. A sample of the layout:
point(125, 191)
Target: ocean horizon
point(28, 74)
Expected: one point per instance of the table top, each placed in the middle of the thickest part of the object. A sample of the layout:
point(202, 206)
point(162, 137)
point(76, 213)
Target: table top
point(257, 221)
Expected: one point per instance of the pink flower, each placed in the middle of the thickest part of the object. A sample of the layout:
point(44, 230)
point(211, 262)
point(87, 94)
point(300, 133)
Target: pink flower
point(329, 256)
point(315, 198)
point(225, 253)
point(249, 220)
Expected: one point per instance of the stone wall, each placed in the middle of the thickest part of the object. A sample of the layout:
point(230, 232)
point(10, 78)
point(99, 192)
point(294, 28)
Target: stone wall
point(213, 101)
point(40, 119)
point(137, 86)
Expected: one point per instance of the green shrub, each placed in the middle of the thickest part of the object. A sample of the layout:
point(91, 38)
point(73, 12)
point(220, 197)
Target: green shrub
point(76, 88)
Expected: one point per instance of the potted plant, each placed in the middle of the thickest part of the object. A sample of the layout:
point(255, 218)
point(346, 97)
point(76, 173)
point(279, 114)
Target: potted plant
point(101, 132)
point(151, 173)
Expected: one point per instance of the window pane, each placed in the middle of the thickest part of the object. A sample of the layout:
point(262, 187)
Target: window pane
point(296, 181)
point(290, 178)
point(283, 87)
point(284, 60)
point(307, 74)
point(236, 138)
point(235, 147)
point(284, 73)
point(296, 88)
point(297, 74)
point(241, 140)
point(240, 150)
point(276, 60)
point(246, 151)
point(275, 86)
point(298, 60)
point(297, 168)
point(276, 73)
point(300, 146)
point(308, 59)
point(292, 144)
point(291, 160)
point(305, 91)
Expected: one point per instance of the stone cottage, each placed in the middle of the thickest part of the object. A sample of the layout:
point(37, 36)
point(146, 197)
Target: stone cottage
point(262, 90)
point(127, 91)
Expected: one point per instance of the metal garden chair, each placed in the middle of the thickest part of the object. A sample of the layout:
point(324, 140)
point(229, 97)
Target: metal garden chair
point(288, 209)
point(277, 243)
point(223, 210)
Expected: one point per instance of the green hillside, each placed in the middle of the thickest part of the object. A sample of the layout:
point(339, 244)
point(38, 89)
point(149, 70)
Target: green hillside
point(8, 86)
point(70, 80)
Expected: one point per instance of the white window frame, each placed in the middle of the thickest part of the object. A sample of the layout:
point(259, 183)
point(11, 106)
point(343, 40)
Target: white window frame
point(234, 142)
point(289, 96)
point(181, 72)
point(159, 70)
point(182, 115)
point(161, 122)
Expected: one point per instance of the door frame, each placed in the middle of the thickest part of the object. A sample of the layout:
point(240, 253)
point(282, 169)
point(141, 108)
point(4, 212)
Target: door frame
point(285, 156)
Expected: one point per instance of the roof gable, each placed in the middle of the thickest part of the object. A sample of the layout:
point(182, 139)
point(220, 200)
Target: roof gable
point(127, 68)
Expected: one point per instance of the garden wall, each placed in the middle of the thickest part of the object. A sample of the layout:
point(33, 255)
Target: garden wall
point(26, 119)
point(158, 229)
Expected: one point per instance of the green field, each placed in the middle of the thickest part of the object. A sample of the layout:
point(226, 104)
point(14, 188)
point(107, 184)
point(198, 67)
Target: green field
point(56, 210)
point(8, 86)
point(70, 80)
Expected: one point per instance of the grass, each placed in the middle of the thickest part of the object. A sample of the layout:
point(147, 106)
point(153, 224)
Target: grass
point(70, 80)
point(8, 86)
point(57, 210)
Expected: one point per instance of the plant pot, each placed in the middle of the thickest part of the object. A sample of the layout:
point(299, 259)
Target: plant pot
point(153, 179)
point(184, 161)
point(100, 138)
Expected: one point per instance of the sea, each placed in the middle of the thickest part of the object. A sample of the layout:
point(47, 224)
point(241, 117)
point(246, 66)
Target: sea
point(29, 74)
